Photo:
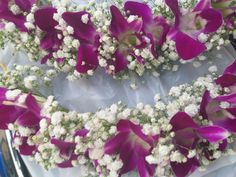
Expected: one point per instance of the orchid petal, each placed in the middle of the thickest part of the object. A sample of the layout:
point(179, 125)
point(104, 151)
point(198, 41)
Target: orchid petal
point(174, 6)
point(32, 105)
point(229, 124)
point(2, 94)
point(231, 98)
point(82, 31)
point(202, 5)
point(66, 148)
point(82, 132)
point(26, 149)
point(226, 80)
point(119, 24)
point(142, 169)
point(183, 169)
point(214, 20)
point(182, 120)
point(187, 47)
point(113, 145)
point(45, 13)
point(68, 163)
point(25, 5)
point(87, 58)
point(205, 101)
point(139, 9)
point(46, 58)
point(213, 133)
point(9, 114)
point(120, 61)
point(28, 119)
point(231, 69)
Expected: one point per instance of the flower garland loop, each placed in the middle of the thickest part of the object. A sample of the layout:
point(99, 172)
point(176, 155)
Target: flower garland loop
point(196, 126)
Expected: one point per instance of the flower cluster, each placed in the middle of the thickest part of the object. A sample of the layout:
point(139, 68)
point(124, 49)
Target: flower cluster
point(196, 125)
point(119, 37)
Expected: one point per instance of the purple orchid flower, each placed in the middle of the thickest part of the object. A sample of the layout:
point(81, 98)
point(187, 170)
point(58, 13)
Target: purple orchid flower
point(87, 56)
point(26, 115)
point(228, 79)
point(129, 37)
point(188, 27)
point(133, 146)
point(50, 42)
point(212, 110)
point(155, 28)
point(17, 19)
point(187, 135)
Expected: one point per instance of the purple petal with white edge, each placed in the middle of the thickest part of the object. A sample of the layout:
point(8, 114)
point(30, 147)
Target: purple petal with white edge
point(87, 58)
point(139, 9)
point(213, 133)
point(2, 94)
point(113, 145)
point(205, 101)
point(226, 80)
point(214, 20)
point(82, 31)
point(25, 5)
point(202, 5)
point(187, 47)
point(45, 13)
point(9, 114)
point(82, 132)
point(174, 6)
point(32, 105)
point(120, 62)
point(26, 149)
point(183, 169)
point(182, 120)
point(119, 24)
point(231, 69)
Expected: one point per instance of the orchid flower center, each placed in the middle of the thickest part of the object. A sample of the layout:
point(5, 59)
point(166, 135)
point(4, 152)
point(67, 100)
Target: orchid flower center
point(128, 41)
point(135, 141)
point(192, 23)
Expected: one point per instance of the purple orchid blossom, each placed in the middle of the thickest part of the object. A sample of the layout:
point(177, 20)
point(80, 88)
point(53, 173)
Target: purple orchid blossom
point(155, 28)
point(18, 19)
point(212, 110)
point(133, 146)
point(50, 42)
point(187, 135)
point(26, 115)
point(87, 55)
point(129, 37)
point(188, 27)
point(228, 79)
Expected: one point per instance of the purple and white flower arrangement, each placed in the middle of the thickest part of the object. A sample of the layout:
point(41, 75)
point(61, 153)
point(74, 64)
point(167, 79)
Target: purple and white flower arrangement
point(174, 138)
point(195, 126)
point(119, 37)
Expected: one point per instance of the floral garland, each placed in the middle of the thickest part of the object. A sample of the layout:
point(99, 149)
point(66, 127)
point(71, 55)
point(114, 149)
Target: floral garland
point(121, 38)
point(196, 126)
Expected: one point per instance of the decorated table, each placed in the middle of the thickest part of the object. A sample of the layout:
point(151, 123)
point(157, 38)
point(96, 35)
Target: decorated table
point(108, 89)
